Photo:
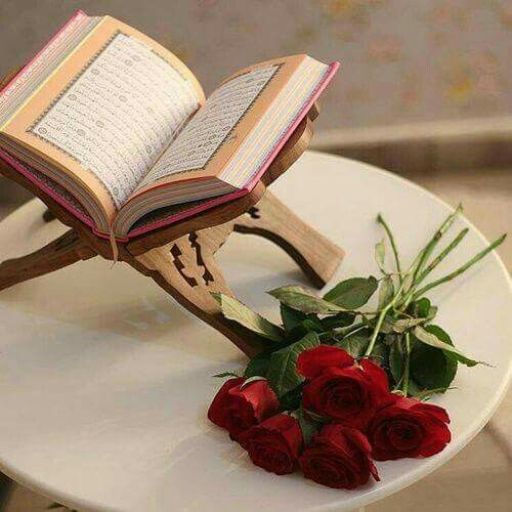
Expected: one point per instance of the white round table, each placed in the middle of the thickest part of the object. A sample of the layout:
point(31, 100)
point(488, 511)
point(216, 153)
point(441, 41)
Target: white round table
point(105, 382)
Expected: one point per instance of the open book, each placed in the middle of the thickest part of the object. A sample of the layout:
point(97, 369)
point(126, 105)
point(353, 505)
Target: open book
point(117, 129)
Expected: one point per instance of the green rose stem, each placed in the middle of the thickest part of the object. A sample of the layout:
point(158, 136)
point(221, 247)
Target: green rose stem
point(417, 273)
point(432, 265)
point(391, 238)
point(384, 311)
point(405, 386)
point(341, 333)
point(460, 270)
point(442, 255)
point(431, 245)
point(391, 304)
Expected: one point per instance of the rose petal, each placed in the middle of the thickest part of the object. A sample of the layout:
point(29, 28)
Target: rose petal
point(260, 396)
point(312, 362)
point(274, 444)
point(434, 410)
point(346, 395)
point(215, 413)
point(408, 428)
point(376, 373)
point(338, 457)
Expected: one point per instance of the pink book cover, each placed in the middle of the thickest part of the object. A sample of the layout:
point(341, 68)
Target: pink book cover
point(63, 198)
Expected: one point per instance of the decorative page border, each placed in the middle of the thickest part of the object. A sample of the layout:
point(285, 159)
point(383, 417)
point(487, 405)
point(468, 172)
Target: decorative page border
point(278, 67)
point(32, 128)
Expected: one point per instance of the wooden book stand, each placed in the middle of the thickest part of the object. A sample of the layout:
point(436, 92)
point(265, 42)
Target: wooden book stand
point(181, 257)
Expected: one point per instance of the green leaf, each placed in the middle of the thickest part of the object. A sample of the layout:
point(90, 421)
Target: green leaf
point(386, 291)
point(291, 401)
point(432, 312)
point(423, 308)
point(282, 371)
point(308, 425)
point(224, 375)
point(355, 344)
point(432, 368)
point(313, 324)
point(405, 324)
point(414, 389)
point(303, 300)
point(386, 326)
point(297, 323)
point(234, 310)
point(431, 339)
point(258, 365)
point(380, 354)
point(352, 293)
point(343, 319)
point(291, 317)
point(420, 307)
point(380, 255)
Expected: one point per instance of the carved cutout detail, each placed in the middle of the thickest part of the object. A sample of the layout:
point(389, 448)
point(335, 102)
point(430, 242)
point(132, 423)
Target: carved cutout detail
point(190, 263)
point(180, 266)
point(254, 213)
point(207, 275)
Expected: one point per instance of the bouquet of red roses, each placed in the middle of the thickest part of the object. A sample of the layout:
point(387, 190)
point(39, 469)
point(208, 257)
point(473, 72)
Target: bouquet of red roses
point(338, 387)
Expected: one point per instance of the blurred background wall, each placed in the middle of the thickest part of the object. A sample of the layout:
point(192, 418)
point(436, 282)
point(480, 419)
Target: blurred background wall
point(403, 61)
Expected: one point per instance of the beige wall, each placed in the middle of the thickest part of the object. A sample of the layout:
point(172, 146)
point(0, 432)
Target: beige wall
point(403, 61)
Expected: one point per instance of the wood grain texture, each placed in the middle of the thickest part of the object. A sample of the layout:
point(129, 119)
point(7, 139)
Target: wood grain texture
point(65, 250)
point(186, 269)
point(315, 254)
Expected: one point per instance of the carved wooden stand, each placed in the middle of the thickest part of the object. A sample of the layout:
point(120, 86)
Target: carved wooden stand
point(181, 258)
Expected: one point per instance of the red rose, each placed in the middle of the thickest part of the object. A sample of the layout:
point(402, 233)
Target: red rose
point(275, 444)
point(408, 428)
point(237, 407)
point(338, 457)
point(346, 392)
point(312, 362)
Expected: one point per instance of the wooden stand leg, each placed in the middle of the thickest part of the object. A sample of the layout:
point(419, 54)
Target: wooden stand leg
point(63, 251)
point(316, 255)
point(186, 267)
point(187, 270)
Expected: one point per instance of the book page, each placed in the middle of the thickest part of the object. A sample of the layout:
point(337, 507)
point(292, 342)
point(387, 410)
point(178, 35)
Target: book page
point(213, 124)
point(123, 101)
point(119, 115)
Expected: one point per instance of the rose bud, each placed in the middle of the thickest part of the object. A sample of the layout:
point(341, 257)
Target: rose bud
point(338, 457)
point(408, 428)
point(275, 444)
point(237, 407)
point(348, 394)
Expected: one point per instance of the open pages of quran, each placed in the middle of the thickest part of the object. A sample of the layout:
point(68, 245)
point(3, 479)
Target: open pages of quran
point(125, 129)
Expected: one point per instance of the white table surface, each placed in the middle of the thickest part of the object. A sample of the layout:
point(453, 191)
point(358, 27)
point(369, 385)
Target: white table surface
point(105, 381)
